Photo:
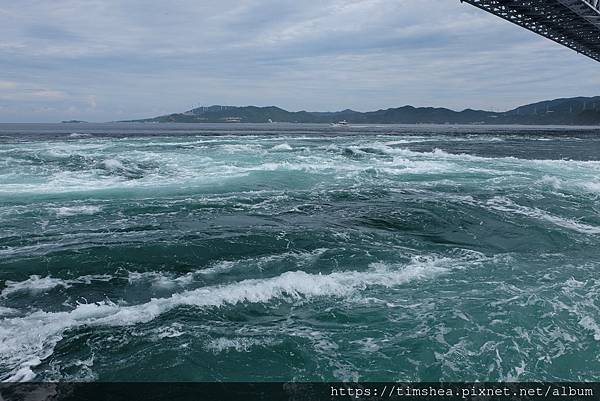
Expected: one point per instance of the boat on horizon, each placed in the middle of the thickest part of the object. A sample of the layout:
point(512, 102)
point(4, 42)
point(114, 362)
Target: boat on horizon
point(342, 123)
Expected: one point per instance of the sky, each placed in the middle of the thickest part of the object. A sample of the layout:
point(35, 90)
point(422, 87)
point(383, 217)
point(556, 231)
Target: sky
point(106, 60)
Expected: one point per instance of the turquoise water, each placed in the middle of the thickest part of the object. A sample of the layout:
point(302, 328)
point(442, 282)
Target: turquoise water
point(298, 252)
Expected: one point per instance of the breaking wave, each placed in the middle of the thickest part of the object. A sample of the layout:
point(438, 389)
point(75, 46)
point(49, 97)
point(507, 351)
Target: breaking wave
point(26, 341)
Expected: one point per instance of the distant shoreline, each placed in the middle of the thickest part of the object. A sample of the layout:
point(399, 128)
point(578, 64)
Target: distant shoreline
point(357, 125)
point(337, 129)
point(566, 111)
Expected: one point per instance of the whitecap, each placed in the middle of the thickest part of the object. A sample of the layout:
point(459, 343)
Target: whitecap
point(160, 279)
point(504, 204)
point(113, 164)
point(26, 341)
point(67, 211)
point(592, 186)
point(172, 331)
point(240, 344)
point(588, 323)
point(4, 311)
point(300, 258)
point(282, 146)
point(553, 181)
point(36, 284)
point(235, 148)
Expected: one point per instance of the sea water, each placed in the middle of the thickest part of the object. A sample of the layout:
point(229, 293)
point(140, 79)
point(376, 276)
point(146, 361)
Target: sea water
point(299, 252)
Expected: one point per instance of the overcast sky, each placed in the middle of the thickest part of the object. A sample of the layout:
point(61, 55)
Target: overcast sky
point(102, 60)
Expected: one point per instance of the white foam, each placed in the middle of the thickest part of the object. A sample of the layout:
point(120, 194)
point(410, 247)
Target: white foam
point(553, 181)
point(588, 323)
point(581, 302)
point(506, 205)
point(300, 258)
point(26, 341)
point(367, 345)
point(238, 344)
point(219, 267)
point(171, 331)
point(113, 164)
point(67, 211)
point(439, 153)
point(176, 169)
point(36, 284)
point(4, 311)
point(282, 146)
point(245, 147)
point(592, 186)
point(160, 279)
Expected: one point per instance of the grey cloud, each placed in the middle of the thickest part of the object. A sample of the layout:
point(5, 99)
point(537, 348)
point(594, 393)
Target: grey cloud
point(139, 58)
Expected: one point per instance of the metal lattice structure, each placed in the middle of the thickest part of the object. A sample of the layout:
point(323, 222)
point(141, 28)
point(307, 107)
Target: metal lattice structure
point(572, 23)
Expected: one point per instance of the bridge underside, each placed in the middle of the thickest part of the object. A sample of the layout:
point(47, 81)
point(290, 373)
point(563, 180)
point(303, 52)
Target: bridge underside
point(572, 23)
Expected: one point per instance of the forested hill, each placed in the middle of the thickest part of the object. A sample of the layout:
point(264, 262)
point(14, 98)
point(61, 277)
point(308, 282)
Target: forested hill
point(569, 111)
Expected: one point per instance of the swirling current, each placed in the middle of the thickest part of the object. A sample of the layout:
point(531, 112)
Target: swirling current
point(299, 252)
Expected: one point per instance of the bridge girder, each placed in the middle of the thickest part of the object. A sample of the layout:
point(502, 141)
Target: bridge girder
point(572, 23)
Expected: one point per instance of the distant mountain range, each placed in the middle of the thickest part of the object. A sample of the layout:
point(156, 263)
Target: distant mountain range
point(569, 111)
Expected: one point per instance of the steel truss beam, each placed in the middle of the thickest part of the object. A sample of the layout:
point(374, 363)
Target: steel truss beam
point(572, 23)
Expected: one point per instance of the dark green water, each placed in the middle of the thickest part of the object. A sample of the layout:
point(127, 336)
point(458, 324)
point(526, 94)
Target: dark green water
point(283, 252)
